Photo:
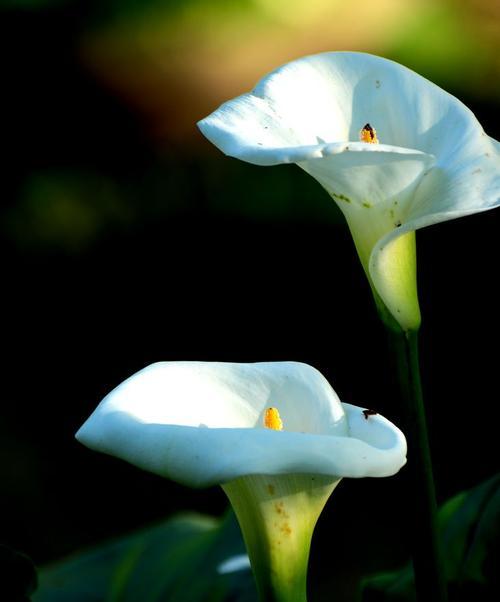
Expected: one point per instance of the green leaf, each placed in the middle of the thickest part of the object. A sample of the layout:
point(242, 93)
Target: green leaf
point(176, 560)
point(469, 526)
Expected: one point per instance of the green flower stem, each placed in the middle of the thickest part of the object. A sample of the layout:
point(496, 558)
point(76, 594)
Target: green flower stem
point(430, 578)
point(277, 515)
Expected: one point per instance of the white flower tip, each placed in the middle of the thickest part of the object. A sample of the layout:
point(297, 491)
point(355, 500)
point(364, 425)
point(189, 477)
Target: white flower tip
point(386, 442)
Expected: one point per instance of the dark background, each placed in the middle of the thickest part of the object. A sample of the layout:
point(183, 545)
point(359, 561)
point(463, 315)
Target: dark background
point(128, 239)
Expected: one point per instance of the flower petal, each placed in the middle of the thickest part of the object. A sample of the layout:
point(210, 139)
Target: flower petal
point(466, 182)
point(152, 421)
point(328, 98)
point(305, 112)
point(373, 185)
point(225, 395)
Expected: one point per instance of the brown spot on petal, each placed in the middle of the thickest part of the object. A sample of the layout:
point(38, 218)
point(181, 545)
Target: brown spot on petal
point(286, 529)
point(280, 509)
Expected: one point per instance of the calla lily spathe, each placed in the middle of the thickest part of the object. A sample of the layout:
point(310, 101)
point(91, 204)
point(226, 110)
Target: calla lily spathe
point(434, 162)
point(201, 423)
point(205, 423)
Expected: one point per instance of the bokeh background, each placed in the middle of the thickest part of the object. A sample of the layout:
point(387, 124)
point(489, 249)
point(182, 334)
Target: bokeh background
point(127, 238)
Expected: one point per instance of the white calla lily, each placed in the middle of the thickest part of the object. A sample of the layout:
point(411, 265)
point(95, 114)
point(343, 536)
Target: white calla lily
point(433, 161)
point(204, 423)
point(201, 423)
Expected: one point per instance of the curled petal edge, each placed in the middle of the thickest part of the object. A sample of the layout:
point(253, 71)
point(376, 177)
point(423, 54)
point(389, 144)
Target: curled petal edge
point(277, 155)
point(201, 457)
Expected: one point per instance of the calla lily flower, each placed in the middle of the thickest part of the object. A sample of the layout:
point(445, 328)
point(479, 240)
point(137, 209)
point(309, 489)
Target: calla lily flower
point(274, 435)
point(394, 151)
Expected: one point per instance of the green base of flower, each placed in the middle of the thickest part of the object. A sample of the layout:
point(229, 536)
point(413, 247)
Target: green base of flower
point(393, 276)
point(277, 515)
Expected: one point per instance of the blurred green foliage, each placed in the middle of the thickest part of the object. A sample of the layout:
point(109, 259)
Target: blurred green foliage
point(469, 525)
point(64, 210)
point(444, 43)
point(68, 210)
point(177, 560)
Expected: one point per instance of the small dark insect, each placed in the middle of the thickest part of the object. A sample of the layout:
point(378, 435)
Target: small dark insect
point(367, 413)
